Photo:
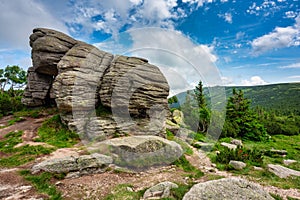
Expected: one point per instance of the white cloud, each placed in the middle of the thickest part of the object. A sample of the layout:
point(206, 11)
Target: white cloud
point(291, 14)
point(291, 66)
point(227, 81)
point(294, 77)
point(174, 53)
point(18, 18)
point(254, 80)
point(280, 37)
point(227, 17)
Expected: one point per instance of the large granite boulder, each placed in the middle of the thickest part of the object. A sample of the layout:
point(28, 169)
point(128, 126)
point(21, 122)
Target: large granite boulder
point(78, 77)
point(227, 189)
point(139, 152)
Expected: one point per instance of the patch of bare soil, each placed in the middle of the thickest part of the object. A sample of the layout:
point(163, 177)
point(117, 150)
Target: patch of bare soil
point(29, 127)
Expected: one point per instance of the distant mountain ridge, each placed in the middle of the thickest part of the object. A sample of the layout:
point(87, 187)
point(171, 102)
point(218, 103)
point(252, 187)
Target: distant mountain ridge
point(282, 97)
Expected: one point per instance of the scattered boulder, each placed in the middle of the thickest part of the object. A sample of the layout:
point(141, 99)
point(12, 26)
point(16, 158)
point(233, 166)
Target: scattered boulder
point(236, 142)
point(85, 164)
point(227, 188)
point(288, 162)
point(139, 152)
point(238, 165)
point(161, 190)
point(282, 172)
point(229, 146)
point(258, 168)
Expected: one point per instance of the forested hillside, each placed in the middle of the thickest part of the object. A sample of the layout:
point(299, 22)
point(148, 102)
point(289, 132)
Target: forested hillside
point(282, 98)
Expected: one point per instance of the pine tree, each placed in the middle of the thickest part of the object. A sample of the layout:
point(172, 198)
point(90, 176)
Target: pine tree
point(241, 121)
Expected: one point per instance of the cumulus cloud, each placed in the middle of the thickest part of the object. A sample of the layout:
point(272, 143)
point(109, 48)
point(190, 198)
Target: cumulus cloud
point(18, 18)
point(181, 61)
point(291, 66)
point(254, 80)
point(280, 37)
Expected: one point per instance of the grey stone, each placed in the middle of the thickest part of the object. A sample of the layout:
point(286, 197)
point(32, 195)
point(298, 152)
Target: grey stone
point(161, 190)
point(227, 189)
point(288, 162)
point(86, 164)
point(236, 142)
point(229, 146)
point(278, 152)
point(139, 152)
point(238, 165)
point(282, 172)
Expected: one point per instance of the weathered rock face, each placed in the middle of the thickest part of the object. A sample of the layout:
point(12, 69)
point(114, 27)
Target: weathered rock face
point(86, 164)
point(139, 152)
point(79, 77)
point(227, 189)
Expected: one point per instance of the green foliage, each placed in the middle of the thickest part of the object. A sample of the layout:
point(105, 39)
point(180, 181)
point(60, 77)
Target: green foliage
point(9, 103)
point(13, 76)
point(42, 183)
point(252, 156)
point(178, 193)
point(172, 100)
point(241, 121)
point(276, 196)
point(55, 133)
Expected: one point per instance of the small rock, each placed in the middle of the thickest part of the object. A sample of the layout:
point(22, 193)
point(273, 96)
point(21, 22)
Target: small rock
point(161, 190)
point(278, 152)
point(258, 168)
point(229, 146)
point(129, 189)
point(282, 172)
point(236, 142)
point(288, 162)
point(238, 165)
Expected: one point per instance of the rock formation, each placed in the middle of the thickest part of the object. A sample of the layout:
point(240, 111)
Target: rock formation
point(227, 188)
point(79, 78)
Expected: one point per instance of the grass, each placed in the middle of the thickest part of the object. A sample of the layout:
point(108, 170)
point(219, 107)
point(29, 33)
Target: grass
point(186, 166)
point(121, 192)
point(21, 155)
point(52, 132)
point(280, 142)
point(55, 133)
point(15, 120)
point(42, 183)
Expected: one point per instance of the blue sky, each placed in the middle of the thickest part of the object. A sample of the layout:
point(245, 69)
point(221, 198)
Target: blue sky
point(247, 42)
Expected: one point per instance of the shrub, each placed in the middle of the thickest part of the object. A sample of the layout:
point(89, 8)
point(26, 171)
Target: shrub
point(254, 156)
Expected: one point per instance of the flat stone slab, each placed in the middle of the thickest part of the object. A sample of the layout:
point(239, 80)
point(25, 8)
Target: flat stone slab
point(282, 172)
point(229, 146)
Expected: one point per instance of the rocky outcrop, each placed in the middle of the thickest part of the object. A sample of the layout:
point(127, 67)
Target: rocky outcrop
point(79, 78)
point(282, 172)
point(74, 165)
point(161, 190)
point(227, 189)
point(139, 152)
